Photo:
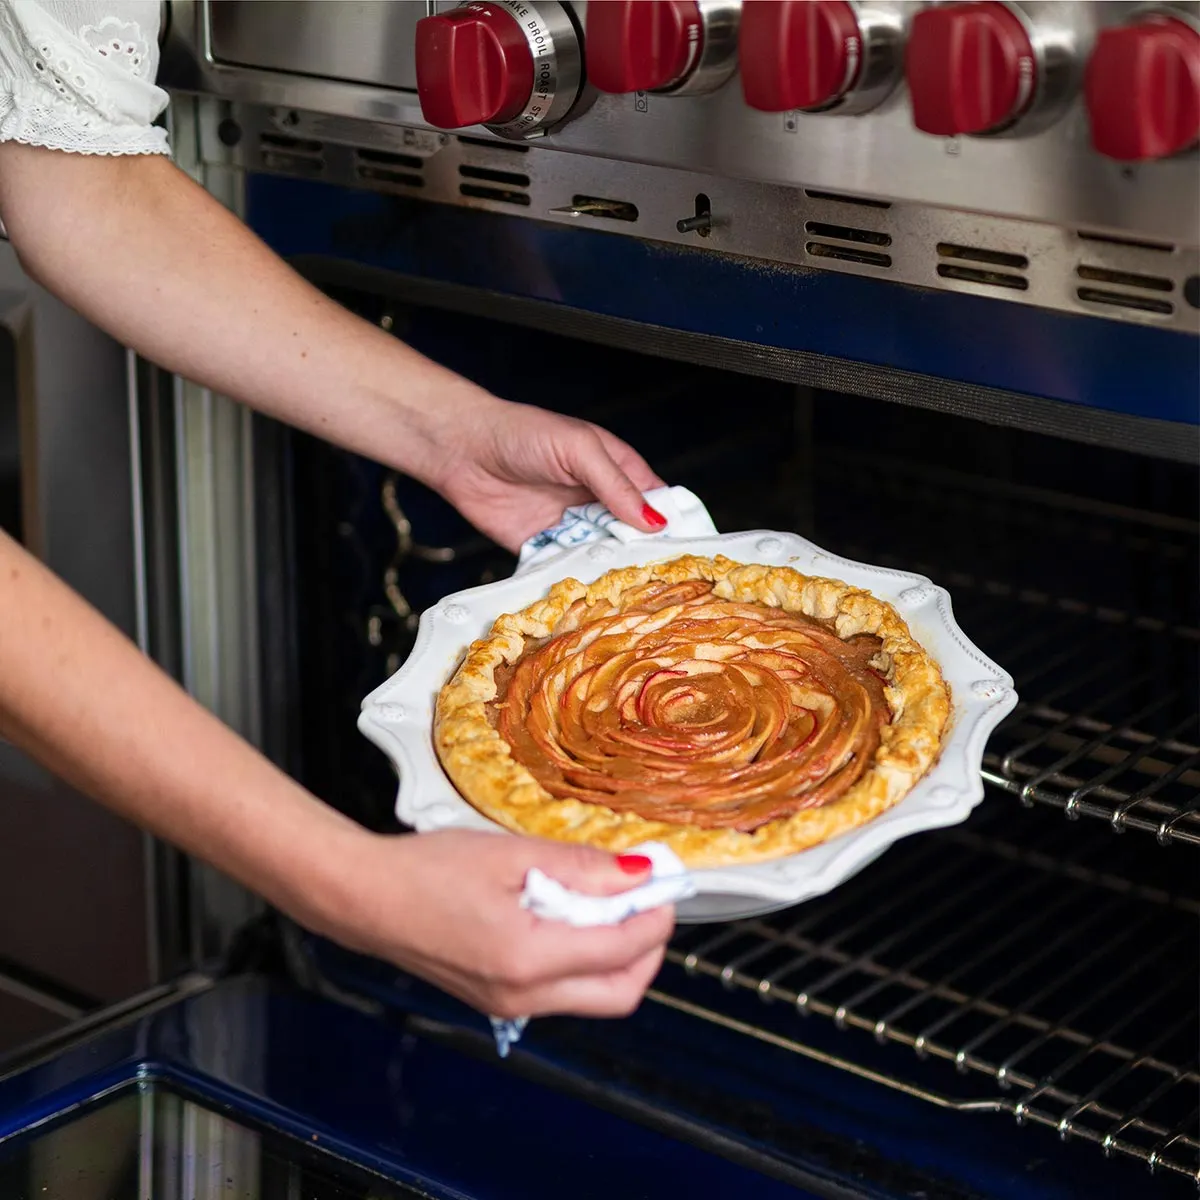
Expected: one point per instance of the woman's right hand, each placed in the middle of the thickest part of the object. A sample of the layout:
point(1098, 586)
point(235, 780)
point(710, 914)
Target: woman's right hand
point(444, 906)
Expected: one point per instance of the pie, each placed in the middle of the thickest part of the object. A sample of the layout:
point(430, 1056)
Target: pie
point(736, 713)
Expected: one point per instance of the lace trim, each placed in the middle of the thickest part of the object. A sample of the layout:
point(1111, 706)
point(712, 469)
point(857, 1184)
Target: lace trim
point(36, 123)
point(90, 92)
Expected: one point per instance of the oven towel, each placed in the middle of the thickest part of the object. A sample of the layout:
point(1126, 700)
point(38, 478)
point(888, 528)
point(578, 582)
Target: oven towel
point(685, 513)
point(669, 881)
point(547, 898)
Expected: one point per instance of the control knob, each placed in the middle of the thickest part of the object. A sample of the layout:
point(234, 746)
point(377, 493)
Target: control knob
point(1142, 88)
point(818, 55)
point(971, 68)
point(514, 66)
point(676, 46)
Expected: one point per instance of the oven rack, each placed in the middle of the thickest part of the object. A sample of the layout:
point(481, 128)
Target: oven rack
point(1050, 995)
point(1107, 727)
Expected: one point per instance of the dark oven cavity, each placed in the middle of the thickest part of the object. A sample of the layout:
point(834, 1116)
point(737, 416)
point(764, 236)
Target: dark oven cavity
point(1039, 962)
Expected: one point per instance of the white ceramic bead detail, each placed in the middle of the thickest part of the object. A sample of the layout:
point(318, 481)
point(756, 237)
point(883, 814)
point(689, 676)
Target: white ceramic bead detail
point(917, 595)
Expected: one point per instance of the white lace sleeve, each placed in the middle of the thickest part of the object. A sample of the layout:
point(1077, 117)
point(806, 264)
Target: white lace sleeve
point(80, 76)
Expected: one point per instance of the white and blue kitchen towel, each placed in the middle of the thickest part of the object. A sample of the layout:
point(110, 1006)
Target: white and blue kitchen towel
point(685, 513)
point(547, 898)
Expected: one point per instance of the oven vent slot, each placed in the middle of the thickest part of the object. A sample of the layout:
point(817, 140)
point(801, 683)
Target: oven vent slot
point(1127, 300)
point(381, 166)
point(1151, 283)
point(865, 258)
point(293, 145)
point(483, 143)
point(988, 278)
point(977, 264)
point(836, 198)
point(1136, 243)
point(500, 195)
point(504, 193)
point(1146, 294)
point(847, 243)
point(846, 233)
point(994, 258)
point(291, 155)
point(508, 178)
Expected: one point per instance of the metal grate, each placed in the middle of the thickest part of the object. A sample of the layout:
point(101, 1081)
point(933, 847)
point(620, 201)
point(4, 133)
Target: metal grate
point(1107, 726)
point(1010, 950)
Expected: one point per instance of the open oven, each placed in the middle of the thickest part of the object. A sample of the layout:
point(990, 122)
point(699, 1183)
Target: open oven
point(974, 358)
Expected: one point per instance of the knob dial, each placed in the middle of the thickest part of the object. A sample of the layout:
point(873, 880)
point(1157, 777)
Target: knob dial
point(971, 68)
point(661, 45)
point(510, 65)
point(1142, 88)
point(817, 55)
point(798, 53)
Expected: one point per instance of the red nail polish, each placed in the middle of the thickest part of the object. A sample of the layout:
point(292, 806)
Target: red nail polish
point(634, 864)
point(653, 517)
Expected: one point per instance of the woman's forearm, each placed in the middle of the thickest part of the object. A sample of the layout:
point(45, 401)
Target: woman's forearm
point(196, 292)
point(79, 697)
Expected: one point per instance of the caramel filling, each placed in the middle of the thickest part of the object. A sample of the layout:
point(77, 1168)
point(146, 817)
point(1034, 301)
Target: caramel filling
point(685, 708)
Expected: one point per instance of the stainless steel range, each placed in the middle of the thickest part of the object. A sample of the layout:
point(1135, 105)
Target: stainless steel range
point(1042, 153)
point(919, 281)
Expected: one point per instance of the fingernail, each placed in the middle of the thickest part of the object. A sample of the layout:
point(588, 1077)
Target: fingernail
point(634, 864)
point(653, 517)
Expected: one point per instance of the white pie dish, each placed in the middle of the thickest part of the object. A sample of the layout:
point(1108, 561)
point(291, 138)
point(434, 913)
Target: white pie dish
point(398, 715)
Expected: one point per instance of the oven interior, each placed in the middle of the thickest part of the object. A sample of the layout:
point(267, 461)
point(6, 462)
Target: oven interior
point(1038, 964)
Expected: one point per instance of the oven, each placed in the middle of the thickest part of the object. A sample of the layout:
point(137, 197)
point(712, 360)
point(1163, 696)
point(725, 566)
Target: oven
point(851, 313)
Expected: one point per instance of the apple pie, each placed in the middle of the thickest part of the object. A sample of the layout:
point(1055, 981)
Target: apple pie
point(736, 713)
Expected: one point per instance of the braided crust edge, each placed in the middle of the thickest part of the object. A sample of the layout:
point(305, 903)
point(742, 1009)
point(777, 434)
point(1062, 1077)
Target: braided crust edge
point(480, 763)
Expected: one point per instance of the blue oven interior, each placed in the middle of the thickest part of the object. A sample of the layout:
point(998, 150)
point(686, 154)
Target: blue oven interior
point(1003, 1009)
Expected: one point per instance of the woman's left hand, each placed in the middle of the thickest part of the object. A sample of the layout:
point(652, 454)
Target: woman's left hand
point(511, 469)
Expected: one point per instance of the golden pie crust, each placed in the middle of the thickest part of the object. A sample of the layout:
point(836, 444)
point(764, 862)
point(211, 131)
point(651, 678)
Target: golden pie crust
point(481, 764)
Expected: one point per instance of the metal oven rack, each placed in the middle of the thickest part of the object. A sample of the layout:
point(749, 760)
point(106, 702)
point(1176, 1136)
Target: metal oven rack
point(1019, 956)
point(1108, 726)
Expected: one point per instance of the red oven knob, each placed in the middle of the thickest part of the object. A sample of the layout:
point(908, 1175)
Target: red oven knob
point(798, 53)
point(1142, 88)
point(473, 67)
point(512, 65)
point(642, 45)
point(970, 68)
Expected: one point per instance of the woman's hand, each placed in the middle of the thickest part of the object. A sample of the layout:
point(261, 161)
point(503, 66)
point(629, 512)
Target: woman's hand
point(511, 469)
point(444, 906)
point(441, 905)
point(212, 303)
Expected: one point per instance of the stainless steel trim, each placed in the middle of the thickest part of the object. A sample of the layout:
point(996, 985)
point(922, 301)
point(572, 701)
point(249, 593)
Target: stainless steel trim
point(718, 49)
point(1061, 36)
point(218, 571)
point(882, 27)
